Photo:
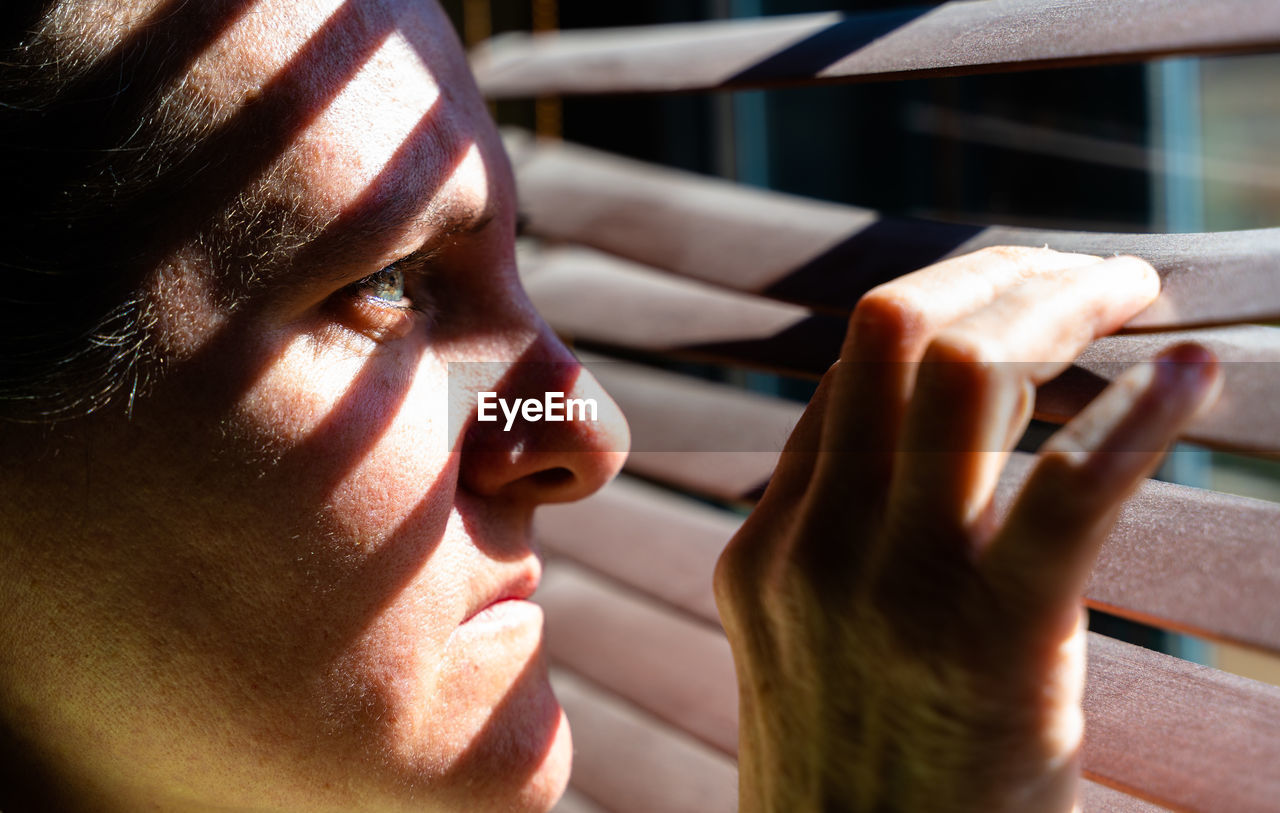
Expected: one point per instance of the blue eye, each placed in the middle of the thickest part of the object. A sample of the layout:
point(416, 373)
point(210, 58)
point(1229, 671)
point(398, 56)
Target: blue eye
point(387, 285)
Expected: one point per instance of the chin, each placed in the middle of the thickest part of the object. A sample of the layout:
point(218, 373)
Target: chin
point(548, 782)
point(521, 758)
point(486, 733)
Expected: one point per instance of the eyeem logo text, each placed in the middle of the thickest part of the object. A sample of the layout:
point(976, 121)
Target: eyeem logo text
point(553, 407)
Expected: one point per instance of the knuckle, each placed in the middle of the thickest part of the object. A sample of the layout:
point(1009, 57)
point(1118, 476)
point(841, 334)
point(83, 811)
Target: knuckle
point(727, 566)
point(1048, 495)
point(750, 589)
point(1058, 468)
point(1063, 492)
point(887, 319)
point(735, 570)
point(960, 366)
point(724, 582)
point(962, 346)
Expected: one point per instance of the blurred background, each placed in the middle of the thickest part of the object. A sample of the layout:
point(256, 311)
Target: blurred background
point(1180, 145)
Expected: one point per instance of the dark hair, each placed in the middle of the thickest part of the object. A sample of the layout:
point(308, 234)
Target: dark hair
point(92, 147)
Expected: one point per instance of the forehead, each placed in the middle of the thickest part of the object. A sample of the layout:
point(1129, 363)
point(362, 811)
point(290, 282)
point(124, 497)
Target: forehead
point(376, 118)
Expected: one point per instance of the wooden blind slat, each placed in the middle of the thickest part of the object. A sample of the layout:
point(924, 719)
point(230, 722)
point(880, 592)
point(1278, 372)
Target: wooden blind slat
point(950, 39)
point(1095, 798)
point(636, 763)
point(1179, 557)
point(1151, 719)
point(574, 802)
point(1247, 416)
point(659, 655)
point(1185, 735)
point(595, 297)
point(825, 255)
point(663, 544)
point(602, 300)
point(1186, 559)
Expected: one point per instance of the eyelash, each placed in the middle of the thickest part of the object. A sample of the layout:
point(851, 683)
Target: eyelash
point(380, 318)
point(366, 286)
point(373, 315)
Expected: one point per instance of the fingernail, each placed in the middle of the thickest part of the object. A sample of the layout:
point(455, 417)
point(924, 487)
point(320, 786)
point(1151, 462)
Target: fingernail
point(1191, 368)
point(1189, 353)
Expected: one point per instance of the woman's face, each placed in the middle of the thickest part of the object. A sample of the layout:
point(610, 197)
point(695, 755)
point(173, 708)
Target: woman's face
point(290, 581)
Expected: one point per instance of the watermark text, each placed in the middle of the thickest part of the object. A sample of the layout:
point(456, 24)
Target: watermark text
point(553, 407)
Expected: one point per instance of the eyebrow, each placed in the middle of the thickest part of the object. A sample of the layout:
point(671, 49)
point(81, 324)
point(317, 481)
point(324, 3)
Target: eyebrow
point(327, 252)
point(440, 239)
point(359, 240)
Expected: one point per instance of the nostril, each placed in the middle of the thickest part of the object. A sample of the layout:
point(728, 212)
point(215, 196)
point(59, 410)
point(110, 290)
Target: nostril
point(553, 478)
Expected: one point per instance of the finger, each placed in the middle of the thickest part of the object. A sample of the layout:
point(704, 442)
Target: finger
point(977, 381)
point(887, 335)
point(1039, 561)
point(762, 534)
point(792, 475)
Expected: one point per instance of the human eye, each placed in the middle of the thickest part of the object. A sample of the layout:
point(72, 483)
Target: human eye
point(386, 287)
point(386, 304)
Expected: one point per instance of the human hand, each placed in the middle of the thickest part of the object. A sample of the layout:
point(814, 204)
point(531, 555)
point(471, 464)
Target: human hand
point(895, 648)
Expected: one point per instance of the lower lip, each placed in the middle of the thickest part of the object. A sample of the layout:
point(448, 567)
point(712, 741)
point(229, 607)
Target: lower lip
point(506, 613)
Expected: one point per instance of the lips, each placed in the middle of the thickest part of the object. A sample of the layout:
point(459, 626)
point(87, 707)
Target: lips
point(518, 586)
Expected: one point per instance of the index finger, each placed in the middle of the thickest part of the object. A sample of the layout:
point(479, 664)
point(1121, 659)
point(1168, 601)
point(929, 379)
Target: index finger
point(888, 333)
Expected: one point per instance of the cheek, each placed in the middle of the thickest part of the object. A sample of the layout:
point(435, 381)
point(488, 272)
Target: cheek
point(357, 427)
point(363, 565)
point(348, 514)
point(393, 472)
point(364, 471)
point(461, 705)
point(363, 456)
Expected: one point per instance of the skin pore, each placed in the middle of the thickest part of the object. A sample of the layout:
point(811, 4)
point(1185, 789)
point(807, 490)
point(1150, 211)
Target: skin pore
point(256, 587)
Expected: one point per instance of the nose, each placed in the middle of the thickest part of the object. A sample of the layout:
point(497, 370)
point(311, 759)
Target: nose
point(540, 429)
